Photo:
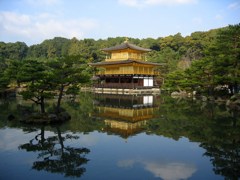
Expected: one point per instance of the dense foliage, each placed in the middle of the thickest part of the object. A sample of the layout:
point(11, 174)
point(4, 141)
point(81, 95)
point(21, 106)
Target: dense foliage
point(203, 61)
point(217, 70)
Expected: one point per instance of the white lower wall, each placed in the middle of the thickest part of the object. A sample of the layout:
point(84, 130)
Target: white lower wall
point(147, 82)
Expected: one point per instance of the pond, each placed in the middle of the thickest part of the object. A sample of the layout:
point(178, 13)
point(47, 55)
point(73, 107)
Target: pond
point(123, 137)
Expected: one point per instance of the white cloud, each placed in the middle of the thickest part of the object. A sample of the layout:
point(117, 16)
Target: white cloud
point(132, 3)
point(45, 15)
point(143, 3)
point(169, 2)
point(43, 26)
point(235, 5)
point(13, 18)
point(42, 2)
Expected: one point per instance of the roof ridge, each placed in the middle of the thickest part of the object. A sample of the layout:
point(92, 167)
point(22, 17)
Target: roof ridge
point(125, 45)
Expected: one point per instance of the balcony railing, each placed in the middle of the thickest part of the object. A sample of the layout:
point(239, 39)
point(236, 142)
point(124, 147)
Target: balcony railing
point(104, 72)
point(125, 56)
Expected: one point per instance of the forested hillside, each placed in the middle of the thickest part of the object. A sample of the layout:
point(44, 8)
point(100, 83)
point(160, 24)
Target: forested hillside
point(201, 61)
point(172, 48)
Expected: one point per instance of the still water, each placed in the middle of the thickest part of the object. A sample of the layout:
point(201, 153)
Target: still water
point(123, 137)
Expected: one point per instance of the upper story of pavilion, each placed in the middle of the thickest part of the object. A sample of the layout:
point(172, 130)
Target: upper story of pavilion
point(126, 51)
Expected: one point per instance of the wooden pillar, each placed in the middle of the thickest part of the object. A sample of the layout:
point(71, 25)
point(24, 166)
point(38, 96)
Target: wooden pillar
point(105, 81)
point(138, 80)
point(119, 81)
point(132, 81)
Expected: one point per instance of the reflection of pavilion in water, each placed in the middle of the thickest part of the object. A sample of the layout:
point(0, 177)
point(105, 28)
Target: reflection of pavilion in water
point(125, 115)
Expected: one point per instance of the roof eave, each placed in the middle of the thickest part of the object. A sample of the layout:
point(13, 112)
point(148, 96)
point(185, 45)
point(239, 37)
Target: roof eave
point(125, 62)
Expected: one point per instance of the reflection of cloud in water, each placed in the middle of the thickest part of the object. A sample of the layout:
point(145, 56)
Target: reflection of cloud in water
point(11, 138)
point(88, 140)
point(170, 171)
point(167, 171)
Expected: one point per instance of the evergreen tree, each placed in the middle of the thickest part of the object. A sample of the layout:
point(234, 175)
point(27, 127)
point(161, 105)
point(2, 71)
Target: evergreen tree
point(67, 74)
point(35, 75)
point(226, 57)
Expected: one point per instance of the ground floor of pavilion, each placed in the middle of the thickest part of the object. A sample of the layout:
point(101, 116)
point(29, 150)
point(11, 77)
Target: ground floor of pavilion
point(126, 82)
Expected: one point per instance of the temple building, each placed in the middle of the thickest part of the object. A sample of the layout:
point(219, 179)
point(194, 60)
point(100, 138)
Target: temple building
point(125, 68)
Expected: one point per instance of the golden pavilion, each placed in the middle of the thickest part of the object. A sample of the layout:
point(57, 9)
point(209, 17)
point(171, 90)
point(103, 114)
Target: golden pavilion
point(125, 68)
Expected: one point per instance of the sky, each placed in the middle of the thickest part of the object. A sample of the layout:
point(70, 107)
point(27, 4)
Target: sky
point(33, 21)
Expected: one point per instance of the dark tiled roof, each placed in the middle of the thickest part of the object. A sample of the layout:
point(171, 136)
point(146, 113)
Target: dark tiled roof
point(123, 62)
point(125, 45)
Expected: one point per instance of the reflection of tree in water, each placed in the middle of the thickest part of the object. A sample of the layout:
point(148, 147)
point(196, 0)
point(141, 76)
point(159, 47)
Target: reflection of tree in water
point(225, 159)
point(215, 127)
point(224, 151)
point(55, 157)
